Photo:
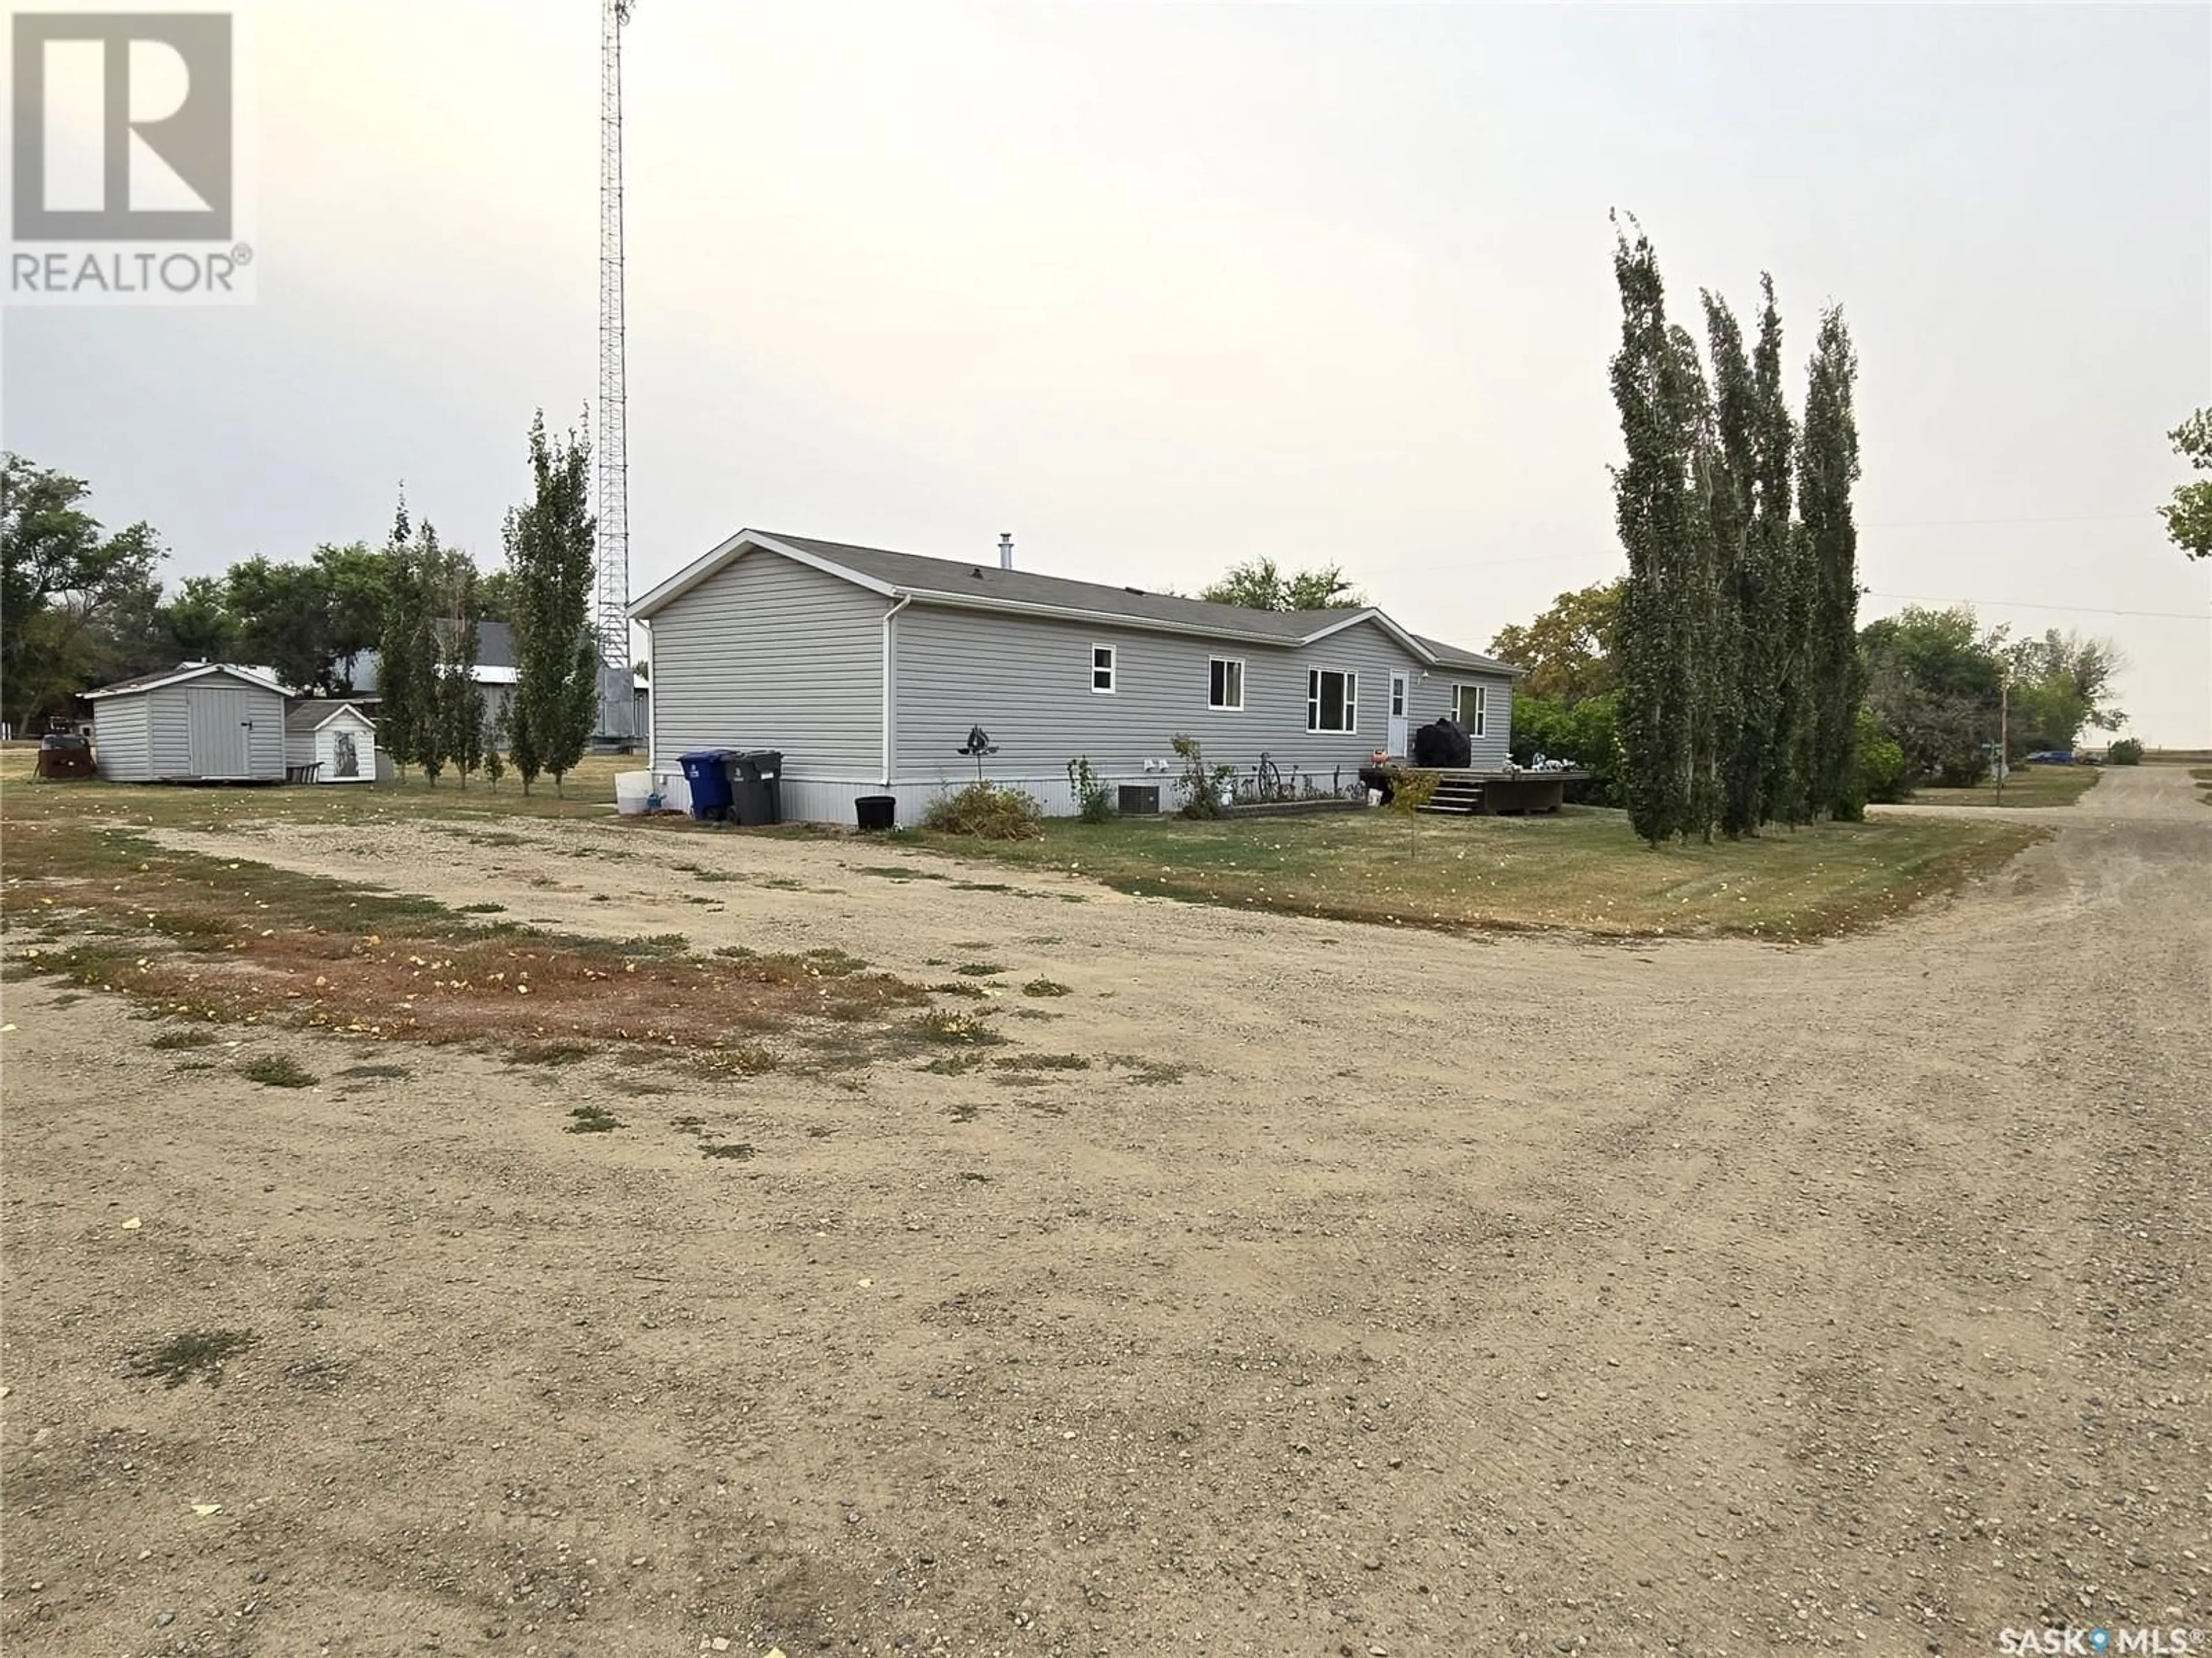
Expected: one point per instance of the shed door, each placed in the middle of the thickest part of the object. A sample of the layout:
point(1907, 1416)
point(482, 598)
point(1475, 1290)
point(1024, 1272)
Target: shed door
point(221, 732)
point(1398, 715)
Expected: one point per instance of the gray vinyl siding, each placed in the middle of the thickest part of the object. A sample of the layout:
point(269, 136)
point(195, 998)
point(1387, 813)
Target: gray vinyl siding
point(1026, 680)
point(120, 742)
point(146, 737)
point(170, 739)
point(1432, 698)
point(769, 653)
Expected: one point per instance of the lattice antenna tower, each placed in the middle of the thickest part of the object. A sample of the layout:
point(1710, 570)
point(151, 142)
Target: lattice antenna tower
point(616, 713)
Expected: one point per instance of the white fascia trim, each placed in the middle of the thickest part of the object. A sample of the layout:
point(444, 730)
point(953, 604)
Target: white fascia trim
point(890, 687)
point(728, 553)
point(1420, 652)
point(652, 704)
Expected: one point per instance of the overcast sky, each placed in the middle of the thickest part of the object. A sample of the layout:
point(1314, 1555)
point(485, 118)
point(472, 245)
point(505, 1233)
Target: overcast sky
point(1161, 287)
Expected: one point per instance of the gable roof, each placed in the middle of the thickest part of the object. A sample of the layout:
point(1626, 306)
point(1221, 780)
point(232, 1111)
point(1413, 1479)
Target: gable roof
point(180, 673)
point(306, 718)
point(986, 587)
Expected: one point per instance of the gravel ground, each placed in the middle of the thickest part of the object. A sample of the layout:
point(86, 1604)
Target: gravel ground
point(1369, 1292)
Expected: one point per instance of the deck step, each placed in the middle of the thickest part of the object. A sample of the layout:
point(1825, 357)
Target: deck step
point(1456, 796)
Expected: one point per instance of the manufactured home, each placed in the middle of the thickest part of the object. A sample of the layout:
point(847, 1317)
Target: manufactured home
point(199, 722)
point(869, 670)
point(329, 741)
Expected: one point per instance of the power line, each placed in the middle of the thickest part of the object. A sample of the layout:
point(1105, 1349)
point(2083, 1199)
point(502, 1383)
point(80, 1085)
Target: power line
point(2055, 517)
point(2024, 604)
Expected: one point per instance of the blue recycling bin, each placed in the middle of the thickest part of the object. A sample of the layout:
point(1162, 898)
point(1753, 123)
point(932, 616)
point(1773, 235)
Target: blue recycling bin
point(709, 778)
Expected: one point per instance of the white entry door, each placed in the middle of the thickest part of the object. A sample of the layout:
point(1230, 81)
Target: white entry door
point(221, 732)
point(1398, 715)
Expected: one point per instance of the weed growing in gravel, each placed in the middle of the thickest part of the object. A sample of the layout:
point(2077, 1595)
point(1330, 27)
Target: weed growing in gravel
point(366, 1071)
point(1148, 1073)
point(484, 908)
point(548, 1054)
point(975, 1177)
point(979, 970)
point(189, 1353)
point(742, 1151)
point(1040, 1062)
point(953, 987)
point(191, 1037)
point(952, 1065)
point(591, 1120)
point(278, 1070)
point(1046, 988)
point(964, 1029)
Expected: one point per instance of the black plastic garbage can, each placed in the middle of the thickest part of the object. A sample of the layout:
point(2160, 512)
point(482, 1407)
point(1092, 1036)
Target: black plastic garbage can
point(756, 786)
point(709, 778)
point(876, 811)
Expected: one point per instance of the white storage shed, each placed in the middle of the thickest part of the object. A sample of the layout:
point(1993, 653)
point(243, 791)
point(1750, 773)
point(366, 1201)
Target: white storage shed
point(200, 722)
point(329, 741)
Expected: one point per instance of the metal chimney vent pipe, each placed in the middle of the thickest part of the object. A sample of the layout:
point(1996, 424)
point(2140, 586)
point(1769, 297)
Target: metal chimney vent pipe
point(1006, 551)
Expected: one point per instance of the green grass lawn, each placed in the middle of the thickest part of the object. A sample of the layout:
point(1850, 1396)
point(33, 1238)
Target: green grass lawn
point(2030, 786)
point(1582, 870)
point(587, 792)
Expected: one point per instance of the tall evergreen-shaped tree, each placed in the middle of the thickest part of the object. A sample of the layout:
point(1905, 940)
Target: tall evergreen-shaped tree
point(1739, 729)
point(430, 571)
point(1652, 507)
point(1708, 638)
point(461, 710)
point(1828, 465)
point(398, 693)
point(549, 549)
point(1777, 686)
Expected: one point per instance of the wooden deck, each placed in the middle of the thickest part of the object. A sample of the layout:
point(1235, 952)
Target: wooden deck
point(1464, 792)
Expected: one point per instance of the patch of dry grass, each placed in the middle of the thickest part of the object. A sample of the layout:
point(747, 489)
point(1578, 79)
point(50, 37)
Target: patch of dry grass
point(317, 954)
point(1582, 869)
point(2029, 786)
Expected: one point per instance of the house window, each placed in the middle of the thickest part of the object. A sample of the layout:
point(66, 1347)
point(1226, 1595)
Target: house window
point(1224, 684)
point(1471, 709)
point(1101, 668)
point(1332, 700)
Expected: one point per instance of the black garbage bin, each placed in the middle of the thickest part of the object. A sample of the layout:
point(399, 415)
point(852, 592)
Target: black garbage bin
point(756, 786)
point(709, 778)
point(876, 811)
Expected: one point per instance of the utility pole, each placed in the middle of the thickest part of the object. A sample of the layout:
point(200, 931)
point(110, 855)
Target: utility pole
point(2004, 733)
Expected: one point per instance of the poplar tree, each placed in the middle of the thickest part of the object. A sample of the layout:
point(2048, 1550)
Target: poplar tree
point(549, 544)
point(397, 690)
point(1652, 508)
point(1776, 687)
point(1828, 465)
point(1740, 730)
point(429, 571)
point(461, 711)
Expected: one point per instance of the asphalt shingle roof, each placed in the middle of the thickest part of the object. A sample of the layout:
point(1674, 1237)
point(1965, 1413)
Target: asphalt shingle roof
point(958, 579)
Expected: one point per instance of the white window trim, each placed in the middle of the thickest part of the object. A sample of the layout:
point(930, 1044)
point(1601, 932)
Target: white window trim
point(1237, 707)
point(1113, 669)
point(1480, 728)
point(1350, 677)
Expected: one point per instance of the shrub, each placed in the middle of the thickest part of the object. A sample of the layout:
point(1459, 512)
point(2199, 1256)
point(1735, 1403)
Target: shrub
point(1879, 772)
point(2127, 751)
point(1094, 800)
point(1587, 732)
point(1203, 785)
point(988, 810)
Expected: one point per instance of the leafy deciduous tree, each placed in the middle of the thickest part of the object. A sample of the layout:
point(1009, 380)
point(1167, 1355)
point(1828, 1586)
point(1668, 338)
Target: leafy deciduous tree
point(2189, 515)
point(1260, 585)
point(549, 550)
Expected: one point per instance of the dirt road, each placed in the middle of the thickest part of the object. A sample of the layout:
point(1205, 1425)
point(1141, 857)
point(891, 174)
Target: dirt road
point(1461, 1295)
